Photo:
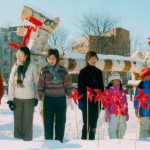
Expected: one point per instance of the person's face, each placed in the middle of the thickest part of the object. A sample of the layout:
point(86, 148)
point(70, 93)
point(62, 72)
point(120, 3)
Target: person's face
point(52, 60)
point(21, 57)
point(147, 78)
point(115, 82)
point(92, 61)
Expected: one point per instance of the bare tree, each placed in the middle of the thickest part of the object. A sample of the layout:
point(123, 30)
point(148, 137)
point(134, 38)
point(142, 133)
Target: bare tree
point(59, 39)
point(96, 24)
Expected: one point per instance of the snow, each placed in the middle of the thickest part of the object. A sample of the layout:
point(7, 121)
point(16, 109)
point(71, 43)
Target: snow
point(71, 141)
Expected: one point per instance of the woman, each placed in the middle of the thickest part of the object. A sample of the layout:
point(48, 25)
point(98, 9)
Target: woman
point(1, 88)
point(92, 77)
point(54, 83)
point(22, 94)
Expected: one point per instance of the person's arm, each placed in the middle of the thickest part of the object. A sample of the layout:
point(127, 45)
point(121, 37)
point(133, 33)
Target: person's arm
point(81, 83)
point(101, 85)
point(11, 87)
point(40, 85)
point(35, 79)
point(1, 87)
point(67, 84)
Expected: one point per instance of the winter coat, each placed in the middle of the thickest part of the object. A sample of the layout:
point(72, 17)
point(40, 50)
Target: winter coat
point(47, 87)
point(1, 87)
point(92, 77)
point(111, 106)
point(28, 91)
point(146, 88)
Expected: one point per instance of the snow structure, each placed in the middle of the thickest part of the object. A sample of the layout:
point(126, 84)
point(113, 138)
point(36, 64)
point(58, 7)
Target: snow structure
point(37, 32)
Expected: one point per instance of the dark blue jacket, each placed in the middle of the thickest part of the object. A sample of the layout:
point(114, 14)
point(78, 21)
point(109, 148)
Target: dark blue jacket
point(146, 88)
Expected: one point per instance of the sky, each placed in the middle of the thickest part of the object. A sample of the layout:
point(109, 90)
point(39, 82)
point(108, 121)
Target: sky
point(133, 14)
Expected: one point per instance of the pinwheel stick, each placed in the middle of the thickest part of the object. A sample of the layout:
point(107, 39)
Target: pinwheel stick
point(76, 122)
point(138, 124)
point(98, 121)
point(119, 129)
point(87, 117)
point(104, 126)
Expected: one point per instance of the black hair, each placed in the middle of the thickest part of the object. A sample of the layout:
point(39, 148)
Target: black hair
point(89, 55)
point(26, 51)
point(140, 85)
point(54, 52)
point(110, 85)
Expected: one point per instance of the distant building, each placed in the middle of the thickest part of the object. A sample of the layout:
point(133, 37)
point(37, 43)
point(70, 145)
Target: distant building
point(115, 42)
point(7, 55)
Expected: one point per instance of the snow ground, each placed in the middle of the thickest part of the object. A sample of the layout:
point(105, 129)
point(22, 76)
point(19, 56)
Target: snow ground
point(71, 140)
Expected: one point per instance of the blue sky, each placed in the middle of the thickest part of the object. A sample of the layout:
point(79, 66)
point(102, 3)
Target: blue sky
point(133, 14)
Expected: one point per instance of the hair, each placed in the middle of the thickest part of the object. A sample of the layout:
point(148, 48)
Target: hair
point(89, 55)
point(140, 85)
point(110, 85)
point(26, 51)
point(54, 52)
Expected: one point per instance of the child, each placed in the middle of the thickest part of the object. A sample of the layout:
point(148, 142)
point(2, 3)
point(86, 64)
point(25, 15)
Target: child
point(117, 123)
point(141, 112)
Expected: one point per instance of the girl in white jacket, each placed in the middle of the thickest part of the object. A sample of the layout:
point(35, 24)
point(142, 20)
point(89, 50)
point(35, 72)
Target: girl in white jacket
point(22, 94)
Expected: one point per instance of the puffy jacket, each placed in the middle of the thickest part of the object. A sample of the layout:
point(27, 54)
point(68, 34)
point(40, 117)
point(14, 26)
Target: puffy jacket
point(112, 107)
point(146, 88)
point(29, 82)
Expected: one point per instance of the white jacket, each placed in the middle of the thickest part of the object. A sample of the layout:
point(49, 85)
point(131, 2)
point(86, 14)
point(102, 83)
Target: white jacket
point(30, 83)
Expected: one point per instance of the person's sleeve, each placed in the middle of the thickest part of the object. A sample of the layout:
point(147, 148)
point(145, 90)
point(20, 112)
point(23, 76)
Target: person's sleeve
point(40, 85)
point(101, 81)
point(35, 78)
point(136, 102)
point(11, 86)
point(67, 84)
point(81, 84)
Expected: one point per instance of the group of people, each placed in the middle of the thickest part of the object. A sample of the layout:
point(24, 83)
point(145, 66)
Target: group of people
point(50, 88)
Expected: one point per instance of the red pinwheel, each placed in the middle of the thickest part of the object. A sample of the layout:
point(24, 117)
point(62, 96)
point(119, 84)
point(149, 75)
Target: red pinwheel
point(13, 45)
point(116, 98)
point(99, 96)
point(75, 96)
point(148, 41)
point(121, 110)
point(105, 99)
point(89, 93)
point(142, 98)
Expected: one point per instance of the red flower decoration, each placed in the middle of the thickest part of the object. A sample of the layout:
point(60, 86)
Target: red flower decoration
point(99, 96)
point(142, 98)
point(75, 96)
point(89, 93)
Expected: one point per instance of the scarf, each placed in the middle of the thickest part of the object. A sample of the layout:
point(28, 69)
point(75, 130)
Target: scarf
point(54, 72)
point(20, 73)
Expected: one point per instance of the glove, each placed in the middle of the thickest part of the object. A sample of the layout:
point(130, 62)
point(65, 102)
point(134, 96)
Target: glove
point(70, 103)
point(40, 106)
point(80, 104)
point(35, 102)
point(11, 104)
point(107, 118)
point(127, 117)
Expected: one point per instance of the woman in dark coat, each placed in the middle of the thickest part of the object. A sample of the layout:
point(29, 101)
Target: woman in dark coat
point(92, 77)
